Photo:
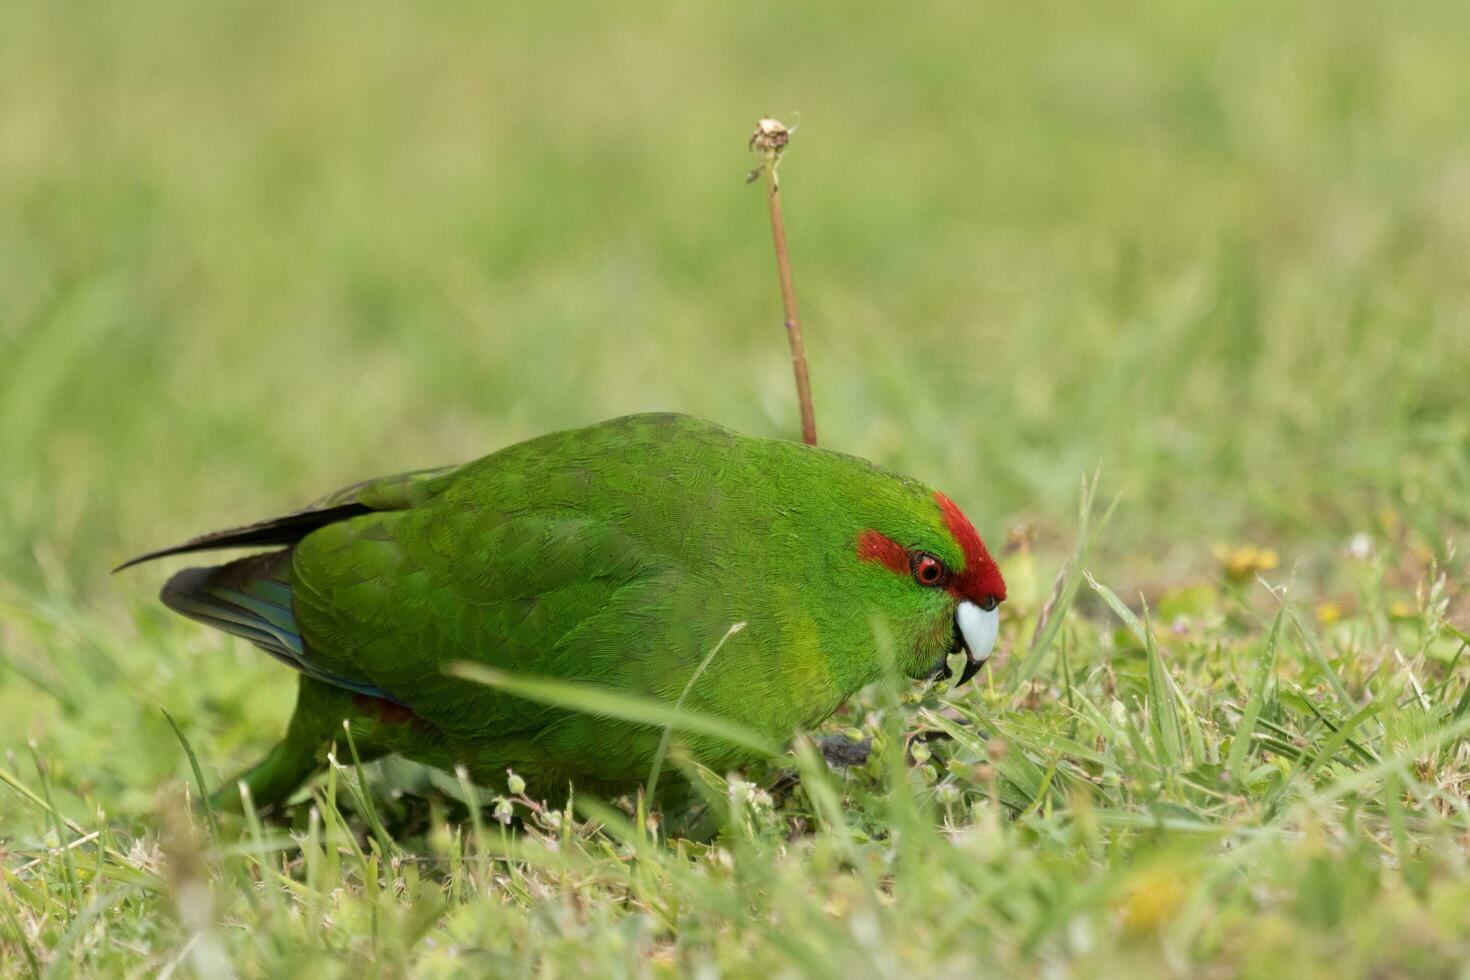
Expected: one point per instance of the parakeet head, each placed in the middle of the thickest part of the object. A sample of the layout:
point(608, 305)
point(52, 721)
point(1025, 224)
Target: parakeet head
point(941, 589)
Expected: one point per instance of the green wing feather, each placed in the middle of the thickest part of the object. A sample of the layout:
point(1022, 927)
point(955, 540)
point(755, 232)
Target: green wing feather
point(394, 598)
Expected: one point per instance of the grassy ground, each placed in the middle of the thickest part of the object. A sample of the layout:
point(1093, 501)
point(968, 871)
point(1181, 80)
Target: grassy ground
point(252, 252)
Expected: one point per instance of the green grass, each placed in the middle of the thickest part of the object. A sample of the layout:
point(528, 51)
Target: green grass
point(250, 253)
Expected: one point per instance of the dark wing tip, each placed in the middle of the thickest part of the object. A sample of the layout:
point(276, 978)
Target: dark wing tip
point(285, 530)
point(180, 549)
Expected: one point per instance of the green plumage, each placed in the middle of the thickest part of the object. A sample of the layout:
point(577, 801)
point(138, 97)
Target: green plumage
point(615, 555)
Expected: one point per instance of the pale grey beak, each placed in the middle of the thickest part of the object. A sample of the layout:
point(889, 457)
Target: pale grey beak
point(976, 628)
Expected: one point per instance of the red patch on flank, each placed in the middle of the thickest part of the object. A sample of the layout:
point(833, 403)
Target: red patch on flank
point(981, 576)
point(387, 711)
point(872, 546)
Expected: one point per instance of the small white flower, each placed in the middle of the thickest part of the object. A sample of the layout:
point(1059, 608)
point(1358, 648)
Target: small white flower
point(739, 791)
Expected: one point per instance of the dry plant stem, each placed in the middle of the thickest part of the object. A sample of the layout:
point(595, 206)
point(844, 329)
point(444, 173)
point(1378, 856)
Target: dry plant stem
point(788, 301)
point(771, 138)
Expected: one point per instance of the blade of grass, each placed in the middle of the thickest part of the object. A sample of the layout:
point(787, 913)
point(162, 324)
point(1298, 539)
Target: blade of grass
point(1041, 792)
point(1240, 744)
point(62, 954)
point(21, 940)
point(1163, 708)
point(594, 700)
point(1069, 579)
point(1405, 757)
point(365, 798)
point(209, 814)
point(1315, 650)
point(826, 801)
point(261, 854)
point(663, 742)
point(477, 819)
point(1462, 705)
point(1362, 751)
point(1339, 738)
point(1163, 698)
point(1067, 682)
point(73, 882)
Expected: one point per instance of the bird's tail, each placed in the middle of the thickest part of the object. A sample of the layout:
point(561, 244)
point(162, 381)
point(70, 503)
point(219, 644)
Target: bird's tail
point(249, 598)
point(252, 598)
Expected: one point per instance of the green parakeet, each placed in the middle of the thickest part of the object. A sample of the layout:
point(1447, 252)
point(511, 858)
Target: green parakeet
point(616, 555)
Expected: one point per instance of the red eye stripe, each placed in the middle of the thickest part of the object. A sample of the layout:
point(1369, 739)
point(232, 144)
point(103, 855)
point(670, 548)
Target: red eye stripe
point(872, 546)
point(979, 579)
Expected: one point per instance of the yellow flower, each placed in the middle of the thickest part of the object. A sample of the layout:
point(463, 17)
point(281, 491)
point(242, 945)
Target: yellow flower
point(1244, 561)
point(1328, 613)
point(1151, 900)
point(1388, 518)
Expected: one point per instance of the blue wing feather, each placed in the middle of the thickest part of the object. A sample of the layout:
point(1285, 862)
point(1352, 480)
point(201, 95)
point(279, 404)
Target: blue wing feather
point(251, 598)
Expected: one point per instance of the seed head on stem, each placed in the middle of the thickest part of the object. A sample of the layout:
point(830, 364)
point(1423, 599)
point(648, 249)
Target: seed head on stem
point(770, 140)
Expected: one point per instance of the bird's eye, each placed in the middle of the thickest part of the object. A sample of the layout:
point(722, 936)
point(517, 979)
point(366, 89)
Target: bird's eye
point(928, 570)
point(989, 603)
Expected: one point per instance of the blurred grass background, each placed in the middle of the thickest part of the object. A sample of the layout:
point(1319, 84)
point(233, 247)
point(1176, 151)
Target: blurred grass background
point(259, 251)
point(253, 252)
